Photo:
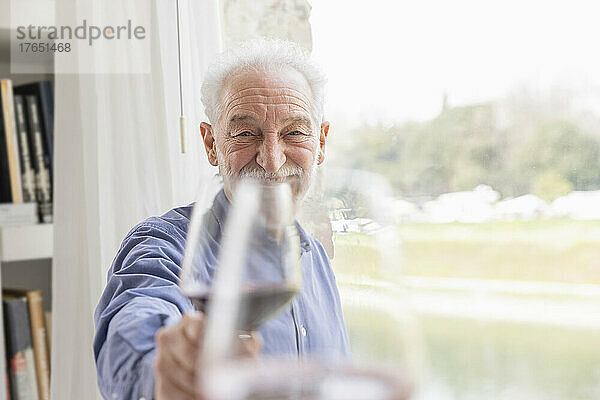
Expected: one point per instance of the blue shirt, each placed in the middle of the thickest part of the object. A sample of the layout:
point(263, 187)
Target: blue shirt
point(142, 295)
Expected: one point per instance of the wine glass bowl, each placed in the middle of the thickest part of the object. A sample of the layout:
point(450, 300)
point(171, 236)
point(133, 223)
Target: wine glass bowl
point(271, 273)
point(258, 230)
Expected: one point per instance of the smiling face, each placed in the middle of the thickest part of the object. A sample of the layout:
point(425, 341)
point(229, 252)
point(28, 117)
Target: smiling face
point(265, 130)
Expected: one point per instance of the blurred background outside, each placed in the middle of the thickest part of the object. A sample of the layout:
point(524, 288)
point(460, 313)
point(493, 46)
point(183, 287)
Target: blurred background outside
point(485, 119)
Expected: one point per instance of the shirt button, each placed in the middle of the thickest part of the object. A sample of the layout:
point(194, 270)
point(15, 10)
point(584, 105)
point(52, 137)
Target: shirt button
point(303, 330)
point(142, 398)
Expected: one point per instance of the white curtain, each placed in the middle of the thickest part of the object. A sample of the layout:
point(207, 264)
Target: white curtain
point(117, 158)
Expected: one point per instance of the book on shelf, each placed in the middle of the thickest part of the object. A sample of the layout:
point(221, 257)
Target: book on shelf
point(48, 318)
point(37, 320)
point(10, 173)
point(42, 91)
point(27, 172)
point(26, 145)
point(19, 349)
point(43, 181)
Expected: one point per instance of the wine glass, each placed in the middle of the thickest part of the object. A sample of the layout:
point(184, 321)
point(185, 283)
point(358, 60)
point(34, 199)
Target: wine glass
point(241, 259)
point(350, 213)
point(202, 246)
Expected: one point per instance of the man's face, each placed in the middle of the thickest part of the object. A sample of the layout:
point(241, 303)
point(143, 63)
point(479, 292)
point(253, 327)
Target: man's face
point(265, 131)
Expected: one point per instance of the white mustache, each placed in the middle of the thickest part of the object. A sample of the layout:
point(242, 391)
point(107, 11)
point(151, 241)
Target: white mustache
point(259, 173)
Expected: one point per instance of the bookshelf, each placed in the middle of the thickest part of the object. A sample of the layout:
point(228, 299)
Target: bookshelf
point(25, 263)
point(25, 251)
point(23, 243)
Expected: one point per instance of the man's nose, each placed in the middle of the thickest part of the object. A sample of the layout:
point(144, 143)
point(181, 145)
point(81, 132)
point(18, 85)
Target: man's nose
point(271, 155)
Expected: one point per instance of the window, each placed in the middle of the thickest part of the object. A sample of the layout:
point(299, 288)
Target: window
point(484, 117)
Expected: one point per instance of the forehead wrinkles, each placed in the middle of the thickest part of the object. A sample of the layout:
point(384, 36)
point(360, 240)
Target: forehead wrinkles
point(274, 96)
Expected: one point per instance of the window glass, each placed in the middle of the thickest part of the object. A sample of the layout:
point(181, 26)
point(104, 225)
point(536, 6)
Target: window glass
point(484, 117)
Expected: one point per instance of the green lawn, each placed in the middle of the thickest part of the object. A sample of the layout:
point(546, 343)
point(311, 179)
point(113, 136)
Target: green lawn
point(558, 250)
point(482, 358)
point(468, 359)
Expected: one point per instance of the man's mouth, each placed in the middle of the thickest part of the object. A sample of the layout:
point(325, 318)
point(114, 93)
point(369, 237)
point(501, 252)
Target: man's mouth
point(274, 180)
point(269, 177)
point(278, 179)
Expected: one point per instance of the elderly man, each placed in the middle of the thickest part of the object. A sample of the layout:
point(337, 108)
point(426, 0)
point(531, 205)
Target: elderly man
point(264, 101)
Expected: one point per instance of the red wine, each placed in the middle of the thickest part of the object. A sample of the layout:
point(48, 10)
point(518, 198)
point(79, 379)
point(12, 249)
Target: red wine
point(258, 303)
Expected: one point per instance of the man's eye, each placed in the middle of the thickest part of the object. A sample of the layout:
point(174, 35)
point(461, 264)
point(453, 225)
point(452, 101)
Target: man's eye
point(244, 134)
point(295, 133)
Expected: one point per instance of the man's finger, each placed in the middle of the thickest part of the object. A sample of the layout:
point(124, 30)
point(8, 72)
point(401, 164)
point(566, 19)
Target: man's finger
point(176, 374)
point(172, 342)
point(249, 344)
point(193, 327)
point(180, 343)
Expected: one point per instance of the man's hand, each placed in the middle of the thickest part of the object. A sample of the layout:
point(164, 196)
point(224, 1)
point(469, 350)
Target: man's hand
point(177, 349)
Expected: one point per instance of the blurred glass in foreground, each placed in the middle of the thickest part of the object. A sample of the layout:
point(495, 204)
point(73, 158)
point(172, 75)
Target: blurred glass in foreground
point(348, 213)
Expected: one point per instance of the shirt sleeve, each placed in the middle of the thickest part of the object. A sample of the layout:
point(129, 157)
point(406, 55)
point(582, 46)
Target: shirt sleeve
point(141, 295)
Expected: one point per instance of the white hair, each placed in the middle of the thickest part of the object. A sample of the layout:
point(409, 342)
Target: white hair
point(262, 54)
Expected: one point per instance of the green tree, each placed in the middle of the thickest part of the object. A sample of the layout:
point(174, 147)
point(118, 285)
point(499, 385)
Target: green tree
point(562, 147)
point(463, 147)
point(549, 185)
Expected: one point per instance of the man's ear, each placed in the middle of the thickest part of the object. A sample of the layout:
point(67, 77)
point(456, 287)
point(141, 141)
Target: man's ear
point(322, 139)
point(209, 143)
